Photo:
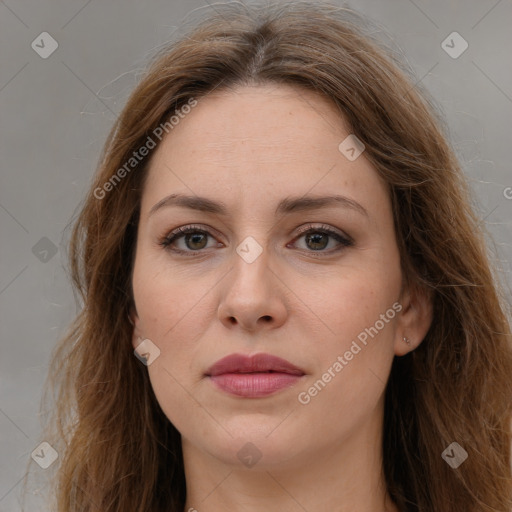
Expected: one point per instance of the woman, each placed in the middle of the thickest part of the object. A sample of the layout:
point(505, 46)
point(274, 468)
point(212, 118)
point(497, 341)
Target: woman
point(287, 299)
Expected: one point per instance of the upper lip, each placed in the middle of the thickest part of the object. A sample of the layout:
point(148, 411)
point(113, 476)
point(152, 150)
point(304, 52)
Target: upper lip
point(258, 363)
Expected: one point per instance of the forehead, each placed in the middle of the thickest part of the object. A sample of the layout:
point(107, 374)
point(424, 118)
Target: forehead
point(267, 139)
point(268, 115)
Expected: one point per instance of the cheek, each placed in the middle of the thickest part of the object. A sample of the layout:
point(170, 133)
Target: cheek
point(167, 300)
point(354, 301)
point(349, 380)
point(172, 313)
point(175, 395)
point(354, 358)
point(170, 322)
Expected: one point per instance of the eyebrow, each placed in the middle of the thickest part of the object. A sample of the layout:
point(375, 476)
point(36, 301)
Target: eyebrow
point(286, 205)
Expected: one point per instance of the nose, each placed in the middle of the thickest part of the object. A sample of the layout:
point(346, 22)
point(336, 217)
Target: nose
point(253, 297)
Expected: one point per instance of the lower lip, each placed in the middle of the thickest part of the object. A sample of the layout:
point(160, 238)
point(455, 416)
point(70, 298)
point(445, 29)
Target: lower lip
point(254, 385)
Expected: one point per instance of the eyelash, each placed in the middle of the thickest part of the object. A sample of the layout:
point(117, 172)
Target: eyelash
point(178, 233)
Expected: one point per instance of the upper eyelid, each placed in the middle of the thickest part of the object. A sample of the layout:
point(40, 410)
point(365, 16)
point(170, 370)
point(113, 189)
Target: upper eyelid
point(192, 227)
point(203, 227)
point(321, 227)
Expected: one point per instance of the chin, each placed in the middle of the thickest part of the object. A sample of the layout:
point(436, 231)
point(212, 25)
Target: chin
point(256, 444)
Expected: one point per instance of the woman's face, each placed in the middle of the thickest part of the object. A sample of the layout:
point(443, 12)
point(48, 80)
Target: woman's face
point(269, 268)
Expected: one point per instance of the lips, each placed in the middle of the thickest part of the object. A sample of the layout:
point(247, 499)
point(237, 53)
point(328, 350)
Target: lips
point(259, 363)
point(253, 377)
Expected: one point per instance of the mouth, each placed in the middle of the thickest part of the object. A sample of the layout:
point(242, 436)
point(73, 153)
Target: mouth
point(253, 377)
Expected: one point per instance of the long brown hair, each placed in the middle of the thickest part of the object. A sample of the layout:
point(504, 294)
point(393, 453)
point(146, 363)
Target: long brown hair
point(117, 450)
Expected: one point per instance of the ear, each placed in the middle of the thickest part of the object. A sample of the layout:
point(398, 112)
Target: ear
point(133, 318)
point(414, 320)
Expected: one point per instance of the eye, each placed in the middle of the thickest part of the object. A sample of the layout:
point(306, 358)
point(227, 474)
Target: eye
point(317, 238)
point(194, 238)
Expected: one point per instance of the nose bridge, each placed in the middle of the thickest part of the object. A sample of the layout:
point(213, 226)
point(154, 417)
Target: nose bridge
point(251, 267)
point(251, 295)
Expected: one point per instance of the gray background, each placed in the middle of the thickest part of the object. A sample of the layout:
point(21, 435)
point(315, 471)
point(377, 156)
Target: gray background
point(55, 114)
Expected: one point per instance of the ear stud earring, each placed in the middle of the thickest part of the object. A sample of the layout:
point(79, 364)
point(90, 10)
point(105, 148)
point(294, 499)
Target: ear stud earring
point(407, 340)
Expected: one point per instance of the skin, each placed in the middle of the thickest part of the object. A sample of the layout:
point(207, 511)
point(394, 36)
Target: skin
point(250, 147)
